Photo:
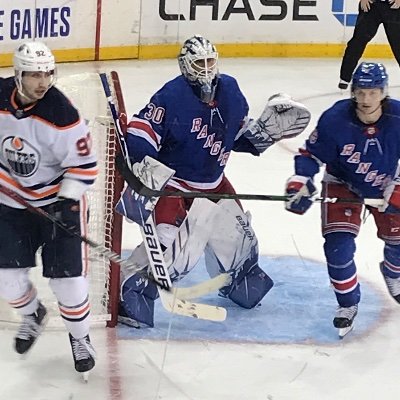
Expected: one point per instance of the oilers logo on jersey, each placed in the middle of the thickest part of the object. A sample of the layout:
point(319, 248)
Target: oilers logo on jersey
point(21, 156)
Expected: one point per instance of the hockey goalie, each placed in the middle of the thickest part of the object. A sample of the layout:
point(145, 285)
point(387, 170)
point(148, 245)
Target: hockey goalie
point(182, 140)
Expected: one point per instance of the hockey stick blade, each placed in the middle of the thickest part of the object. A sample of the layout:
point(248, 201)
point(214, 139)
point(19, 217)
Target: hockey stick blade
point(202, 288)
point(195, 310)
point(187, 292)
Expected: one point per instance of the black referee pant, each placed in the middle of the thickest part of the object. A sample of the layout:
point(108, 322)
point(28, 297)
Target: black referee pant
point(367, 25)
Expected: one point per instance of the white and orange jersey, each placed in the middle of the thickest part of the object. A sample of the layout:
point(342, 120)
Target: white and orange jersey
point(44, 147)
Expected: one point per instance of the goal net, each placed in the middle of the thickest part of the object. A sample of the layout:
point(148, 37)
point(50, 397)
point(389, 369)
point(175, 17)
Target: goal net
point(86, 92)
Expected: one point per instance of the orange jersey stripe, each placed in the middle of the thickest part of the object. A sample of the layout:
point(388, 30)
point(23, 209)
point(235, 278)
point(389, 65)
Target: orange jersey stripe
point(82, 171)
point(24, 299)
point(29, 192)
point(74, 313)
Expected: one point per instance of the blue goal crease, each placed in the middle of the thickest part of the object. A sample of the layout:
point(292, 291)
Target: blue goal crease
point(299, 309)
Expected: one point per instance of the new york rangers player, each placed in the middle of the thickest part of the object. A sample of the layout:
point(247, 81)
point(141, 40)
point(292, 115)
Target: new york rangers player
point(358, 141)
point(46, 158)
point(191, 125)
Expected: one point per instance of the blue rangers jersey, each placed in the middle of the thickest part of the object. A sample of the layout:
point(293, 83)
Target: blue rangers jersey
point(364, 157)
point(44, 146)
point(191, 137)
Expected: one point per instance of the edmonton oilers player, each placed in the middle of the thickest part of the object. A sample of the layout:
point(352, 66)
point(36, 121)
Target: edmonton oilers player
point(191, 125)
point(358, 141)
point(46, 158)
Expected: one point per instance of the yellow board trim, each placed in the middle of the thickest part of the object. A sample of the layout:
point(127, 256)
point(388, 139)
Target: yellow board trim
point(148, 52)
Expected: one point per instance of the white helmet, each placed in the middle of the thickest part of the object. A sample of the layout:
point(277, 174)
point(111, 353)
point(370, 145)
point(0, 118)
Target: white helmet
point(201, 75)
point(33, 57)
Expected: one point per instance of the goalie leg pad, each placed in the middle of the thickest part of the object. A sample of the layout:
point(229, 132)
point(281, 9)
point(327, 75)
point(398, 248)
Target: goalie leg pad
point(249, 287)
point(184, 245)
point(232, 239)
point(137, 261)
point(137, 294)
point(233, 248)
point(191, 239)
point(137, 299)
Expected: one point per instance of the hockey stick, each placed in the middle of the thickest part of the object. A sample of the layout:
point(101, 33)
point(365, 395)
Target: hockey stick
point(103, 252)
point(143, 190)
point(154, 251)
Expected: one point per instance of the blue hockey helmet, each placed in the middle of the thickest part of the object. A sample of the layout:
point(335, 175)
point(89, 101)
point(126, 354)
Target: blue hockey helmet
point(370, 76)
point(198, 62)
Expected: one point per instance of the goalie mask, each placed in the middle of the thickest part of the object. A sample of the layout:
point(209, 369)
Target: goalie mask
point(198, 62)
point(33, 57)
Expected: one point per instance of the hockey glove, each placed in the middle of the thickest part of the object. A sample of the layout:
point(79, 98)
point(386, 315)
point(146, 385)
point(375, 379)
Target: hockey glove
point(391, 198)
point(299, 190)
point(67, 211)
point(282, 118)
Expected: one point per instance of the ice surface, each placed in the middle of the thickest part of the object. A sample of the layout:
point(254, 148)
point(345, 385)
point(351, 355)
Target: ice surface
point(269, 353)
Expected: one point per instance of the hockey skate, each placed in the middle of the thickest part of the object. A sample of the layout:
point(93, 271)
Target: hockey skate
point(343, 85)
point(344, 319)
point(84, 355)
point(392, 284)
point(31, 327)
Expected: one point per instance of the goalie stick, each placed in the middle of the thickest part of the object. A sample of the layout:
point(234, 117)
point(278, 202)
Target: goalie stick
point(170, 301)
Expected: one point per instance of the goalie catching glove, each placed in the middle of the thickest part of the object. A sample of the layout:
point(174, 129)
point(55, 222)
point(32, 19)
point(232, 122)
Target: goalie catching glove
point(282, 118)
point(299, 191)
